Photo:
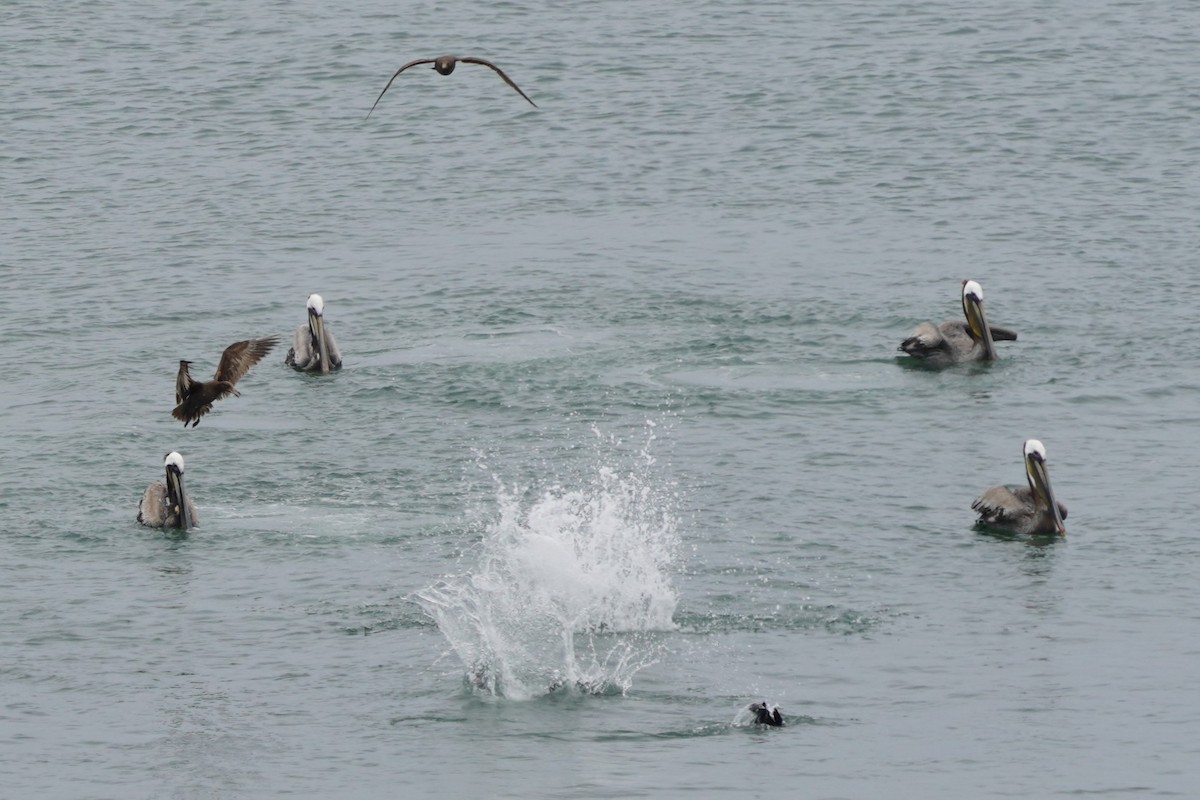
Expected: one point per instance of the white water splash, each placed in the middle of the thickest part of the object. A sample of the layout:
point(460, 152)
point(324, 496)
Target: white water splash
point(570, 592)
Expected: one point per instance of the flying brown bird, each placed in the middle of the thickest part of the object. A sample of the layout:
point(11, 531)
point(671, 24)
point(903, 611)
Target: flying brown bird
point(445, 65)
point(194, 398)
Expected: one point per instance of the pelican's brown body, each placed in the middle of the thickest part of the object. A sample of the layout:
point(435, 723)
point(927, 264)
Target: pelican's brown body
point(1017, 509)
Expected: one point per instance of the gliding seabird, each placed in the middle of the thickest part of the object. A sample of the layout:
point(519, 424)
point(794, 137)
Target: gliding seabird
point(954, 342)
point(194, 399)
point(445, 65)
point(1024, 509)
point(167, 505)
point(313, 347)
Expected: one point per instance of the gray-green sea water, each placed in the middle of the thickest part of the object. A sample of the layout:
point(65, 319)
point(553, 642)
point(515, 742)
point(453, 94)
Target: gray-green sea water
point(622, 442)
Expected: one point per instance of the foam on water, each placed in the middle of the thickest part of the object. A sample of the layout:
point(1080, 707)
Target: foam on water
point(570, 591)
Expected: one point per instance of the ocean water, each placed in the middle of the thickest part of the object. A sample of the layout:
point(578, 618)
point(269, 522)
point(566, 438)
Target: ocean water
point(622, 442)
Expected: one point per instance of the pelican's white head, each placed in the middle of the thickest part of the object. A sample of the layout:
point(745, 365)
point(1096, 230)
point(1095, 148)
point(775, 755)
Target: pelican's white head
point(315, 304)
point(173, 459)
point(1034, 448)
point(973, 289)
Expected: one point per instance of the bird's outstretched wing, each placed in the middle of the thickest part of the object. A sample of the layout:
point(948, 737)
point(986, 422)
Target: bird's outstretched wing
point(183, 382)
point(239, 357)
point(500, 72)
point(406, 66)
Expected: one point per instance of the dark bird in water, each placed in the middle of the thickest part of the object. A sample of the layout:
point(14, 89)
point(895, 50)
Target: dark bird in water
point(445, 65)
point(1024, 509)
point(194, 399)
point(956, 341)
point(767, 715)
point(167, 505)
point(313, 346)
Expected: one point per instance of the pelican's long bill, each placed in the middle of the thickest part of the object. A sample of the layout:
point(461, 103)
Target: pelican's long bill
point(1039, 481)
point(972, 301)
point(316, 325)
point(176, 493)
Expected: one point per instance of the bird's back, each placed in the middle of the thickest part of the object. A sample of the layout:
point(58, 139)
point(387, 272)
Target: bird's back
point(152, 509)
point(947, 343)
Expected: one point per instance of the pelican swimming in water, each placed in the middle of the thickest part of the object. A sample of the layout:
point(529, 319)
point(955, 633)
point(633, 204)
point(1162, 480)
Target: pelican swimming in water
point(445, 65)
point(313, 345)
point(766, 715)
point(1024, 509)
point(194, 399)
point(955, 341)
point(167, 505)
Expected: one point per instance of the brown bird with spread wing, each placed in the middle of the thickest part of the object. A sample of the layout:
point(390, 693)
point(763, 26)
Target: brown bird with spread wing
point(445, 65)
point(195, 398)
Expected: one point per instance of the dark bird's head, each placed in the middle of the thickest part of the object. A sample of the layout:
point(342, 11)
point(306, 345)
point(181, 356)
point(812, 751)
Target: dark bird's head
point(445, 64)
point(1039, 482)
point(316, 329)
point(972, 300)
point(176, 493)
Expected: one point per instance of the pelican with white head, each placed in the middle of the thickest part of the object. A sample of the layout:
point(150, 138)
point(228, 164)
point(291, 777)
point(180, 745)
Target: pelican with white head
point(167, 504)
point(958, 341)
point(1024, 509)
point(313, 346)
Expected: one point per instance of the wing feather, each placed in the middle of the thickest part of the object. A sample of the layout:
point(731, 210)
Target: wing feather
point(151, 509)
point(406, 66)
point(1001, 504)
point(498, 71)
point(183, 382)
point(239, 357)
point(335, 355)
point(924, 338)
point(1002, 334)
point(300, 356)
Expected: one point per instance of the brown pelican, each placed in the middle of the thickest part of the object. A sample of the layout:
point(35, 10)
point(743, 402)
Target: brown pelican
point(313, 347)
point(1024, 509)
point(167, 505)
point(194, 398)
point(956, 341)
point(766, 715)
point(445, 65)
